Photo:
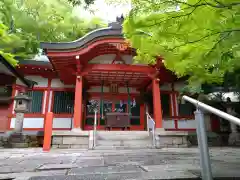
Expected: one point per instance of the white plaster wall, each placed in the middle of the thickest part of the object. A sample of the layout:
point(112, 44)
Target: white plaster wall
point(187, 124)
point(103, 59)
point(29, 122)
point(38, 122)
point(62, 122)
point(42, 82)
point(44, 102)
point(168, 124)
point(50, 101)
point(19, 82)
point(56, 83)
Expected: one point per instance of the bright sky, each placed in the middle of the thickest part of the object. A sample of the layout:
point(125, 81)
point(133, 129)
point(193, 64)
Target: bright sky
point(103, 10)
point(107, 12)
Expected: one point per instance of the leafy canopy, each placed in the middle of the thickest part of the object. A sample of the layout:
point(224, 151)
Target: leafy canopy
point(196, 38)
point(24, 24)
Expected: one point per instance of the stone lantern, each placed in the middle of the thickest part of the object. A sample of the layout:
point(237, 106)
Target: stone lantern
point(17, 139)
point(22, 106)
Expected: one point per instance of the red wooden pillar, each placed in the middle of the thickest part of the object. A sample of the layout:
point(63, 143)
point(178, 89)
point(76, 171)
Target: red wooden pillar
point(157, 107)
point(78, 103)
point(48, 132)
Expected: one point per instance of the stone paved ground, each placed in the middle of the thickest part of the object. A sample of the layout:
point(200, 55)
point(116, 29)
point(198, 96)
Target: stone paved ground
point(33, 164)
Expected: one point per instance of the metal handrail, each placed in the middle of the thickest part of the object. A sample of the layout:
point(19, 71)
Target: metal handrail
point(95, 130)
point(151, 128)
point(206, 170)
point(210, 109)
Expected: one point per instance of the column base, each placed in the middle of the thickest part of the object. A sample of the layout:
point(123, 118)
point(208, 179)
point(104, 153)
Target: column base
point(173, 139)
point(76, 130)
point(159, 130)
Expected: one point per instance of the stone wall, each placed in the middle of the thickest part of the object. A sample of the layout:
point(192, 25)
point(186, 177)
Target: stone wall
point(66, 141)
point(214, 139)
point(172, 141)
point(8, 141)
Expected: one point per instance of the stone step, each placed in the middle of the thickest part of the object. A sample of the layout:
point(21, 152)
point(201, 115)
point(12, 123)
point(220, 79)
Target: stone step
point(121, 147)
point(123, 132)
point(122, 135)
point(123, 143)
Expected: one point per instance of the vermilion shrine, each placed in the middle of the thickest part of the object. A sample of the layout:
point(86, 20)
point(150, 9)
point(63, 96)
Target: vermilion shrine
point(98, 69)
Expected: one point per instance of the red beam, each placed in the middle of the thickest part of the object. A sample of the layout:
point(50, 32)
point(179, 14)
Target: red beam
point(81, 51)
point(117, 67)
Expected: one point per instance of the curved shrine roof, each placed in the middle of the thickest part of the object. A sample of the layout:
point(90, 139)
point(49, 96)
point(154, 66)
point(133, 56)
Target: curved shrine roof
point(63, 57)
point(113, 30)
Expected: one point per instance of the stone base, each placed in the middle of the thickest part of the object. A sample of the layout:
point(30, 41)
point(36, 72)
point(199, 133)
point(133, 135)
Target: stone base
point(214, 139)
point(18, 145)
point(76, 130)
point(70, 139)
point(19, 140)
point(172, 139)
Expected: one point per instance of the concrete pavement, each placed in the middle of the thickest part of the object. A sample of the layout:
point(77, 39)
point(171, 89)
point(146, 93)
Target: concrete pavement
point(60, 164)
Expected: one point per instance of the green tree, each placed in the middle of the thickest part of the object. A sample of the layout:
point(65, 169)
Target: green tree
point(24, 24)
point(8, 41)
point(196, 38)
point(81, 2)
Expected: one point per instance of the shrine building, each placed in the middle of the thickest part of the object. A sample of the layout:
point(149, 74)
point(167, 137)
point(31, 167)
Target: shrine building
point(98, 70)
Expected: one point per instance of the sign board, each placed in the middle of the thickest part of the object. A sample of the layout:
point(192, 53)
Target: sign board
point(114, 88)
point(121, 46)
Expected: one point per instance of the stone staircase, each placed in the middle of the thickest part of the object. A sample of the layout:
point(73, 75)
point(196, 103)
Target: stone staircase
point(123, 140)
point(118, 139)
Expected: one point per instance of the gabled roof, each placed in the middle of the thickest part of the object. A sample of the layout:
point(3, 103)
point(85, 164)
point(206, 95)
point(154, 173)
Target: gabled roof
point(113, 29)
point(34, 62)
point(15, 72)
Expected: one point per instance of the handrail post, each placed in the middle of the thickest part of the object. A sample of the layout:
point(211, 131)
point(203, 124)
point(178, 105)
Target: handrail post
point(147, 123)
point(151, 124)
point(201, 133)
point(206, 170)
point(153, 137)
point(94, 129)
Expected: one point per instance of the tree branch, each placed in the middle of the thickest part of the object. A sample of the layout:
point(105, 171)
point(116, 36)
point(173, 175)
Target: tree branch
point(204, 37)
point(174, 17)
point(218, 42)
point(219, 5)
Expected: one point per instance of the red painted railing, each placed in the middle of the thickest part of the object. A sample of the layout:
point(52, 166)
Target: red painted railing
point(48, 132)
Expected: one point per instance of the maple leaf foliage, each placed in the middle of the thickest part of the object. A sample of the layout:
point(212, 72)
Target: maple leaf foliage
point(26, 23)
point(196, 38)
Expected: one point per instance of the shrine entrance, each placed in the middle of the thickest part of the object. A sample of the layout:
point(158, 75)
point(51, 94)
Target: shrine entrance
point(115, 104)
point(101, 66)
